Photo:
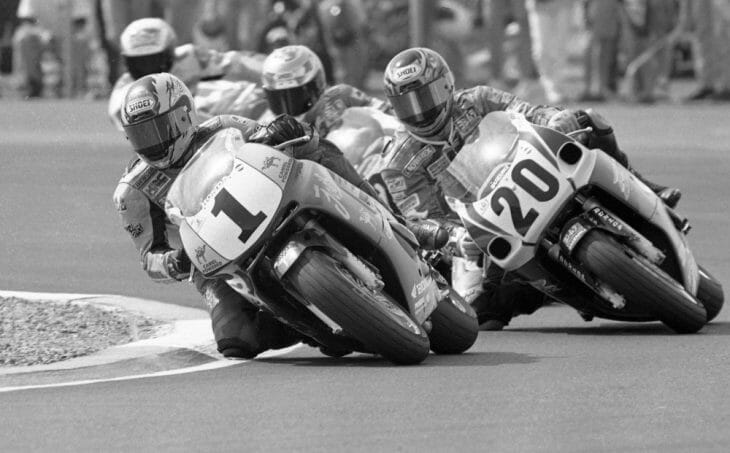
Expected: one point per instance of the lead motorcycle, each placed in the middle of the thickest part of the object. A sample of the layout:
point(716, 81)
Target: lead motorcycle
point(578, 226)
point(322, 256)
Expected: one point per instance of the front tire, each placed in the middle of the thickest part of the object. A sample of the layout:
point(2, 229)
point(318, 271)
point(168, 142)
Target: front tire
point(454, 325)
point(709, 292)
point(372, 318)
point(641, 283)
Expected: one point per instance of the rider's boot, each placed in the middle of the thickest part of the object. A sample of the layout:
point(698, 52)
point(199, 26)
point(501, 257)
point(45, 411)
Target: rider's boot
point(240, 329)
point(501, 301)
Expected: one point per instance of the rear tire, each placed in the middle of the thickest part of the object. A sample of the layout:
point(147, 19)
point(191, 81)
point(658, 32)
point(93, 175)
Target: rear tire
point(710, 294)
point(641, 283)
point(454, 326)
point(373, 319)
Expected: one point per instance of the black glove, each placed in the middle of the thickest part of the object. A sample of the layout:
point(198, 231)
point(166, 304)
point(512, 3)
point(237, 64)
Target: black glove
point(178, 264)
point(281, 129)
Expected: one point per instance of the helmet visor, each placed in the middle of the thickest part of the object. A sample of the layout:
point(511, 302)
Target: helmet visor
point(421, 106)
point(293, 101)
point(153, 138)
point(142, 65)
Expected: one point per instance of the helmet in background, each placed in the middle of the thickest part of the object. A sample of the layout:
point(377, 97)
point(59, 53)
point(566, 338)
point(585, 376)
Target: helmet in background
point(293, 79)
point(420, 87)
point(158, 116)
point(148, 46)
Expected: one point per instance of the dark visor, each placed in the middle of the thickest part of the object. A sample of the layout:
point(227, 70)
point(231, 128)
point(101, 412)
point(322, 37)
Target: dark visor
point(152, 139)
point(422, 105)
point(293, 101)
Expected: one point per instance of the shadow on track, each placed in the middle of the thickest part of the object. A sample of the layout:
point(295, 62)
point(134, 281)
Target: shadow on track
point(466, 359)
point(638, 329)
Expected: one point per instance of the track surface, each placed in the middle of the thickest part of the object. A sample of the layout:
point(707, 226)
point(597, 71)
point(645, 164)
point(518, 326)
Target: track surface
point(549, 383)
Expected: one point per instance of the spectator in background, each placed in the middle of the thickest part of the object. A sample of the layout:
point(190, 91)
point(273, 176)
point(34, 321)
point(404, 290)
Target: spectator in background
point(648, 22)
point(710, 23)
point(603, 23)
point(501, 14)
point(29, 42)
point(345, 25)
point(552, 35)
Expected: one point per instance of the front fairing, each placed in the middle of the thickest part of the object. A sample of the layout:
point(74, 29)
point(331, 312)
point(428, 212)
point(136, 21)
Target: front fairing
point(226, 198)
point(506, 182)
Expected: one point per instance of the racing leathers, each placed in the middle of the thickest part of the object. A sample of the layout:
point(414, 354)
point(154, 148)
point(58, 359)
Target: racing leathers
point(326, 113)
point(194, 64)
point(141, 197)
point(413, 173)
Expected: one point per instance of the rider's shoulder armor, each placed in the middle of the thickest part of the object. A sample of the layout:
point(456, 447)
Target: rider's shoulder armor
point(149, 181)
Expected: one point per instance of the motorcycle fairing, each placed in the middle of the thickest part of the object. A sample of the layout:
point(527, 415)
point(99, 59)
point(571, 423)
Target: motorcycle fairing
point(317, 189)
point(229, 212)
point(516, 202)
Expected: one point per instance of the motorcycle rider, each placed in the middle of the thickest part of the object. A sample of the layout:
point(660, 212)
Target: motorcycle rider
point(438, 120)
point(161, 124)
point(149, 45)
point(294, 81)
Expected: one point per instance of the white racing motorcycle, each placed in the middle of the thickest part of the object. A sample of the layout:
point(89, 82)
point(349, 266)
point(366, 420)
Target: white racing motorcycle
point(578, 226)
point(318, 253)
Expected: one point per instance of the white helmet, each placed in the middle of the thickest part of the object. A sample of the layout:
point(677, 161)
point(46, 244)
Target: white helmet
point(148, 46)
point(293, 79)
point(158, 116)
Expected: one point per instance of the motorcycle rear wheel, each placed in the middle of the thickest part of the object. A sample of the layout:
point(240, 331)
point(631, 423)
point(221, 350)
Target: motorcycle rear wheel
point(710, 294)
point(454, 326)
point(641, 283)
point(372, 318)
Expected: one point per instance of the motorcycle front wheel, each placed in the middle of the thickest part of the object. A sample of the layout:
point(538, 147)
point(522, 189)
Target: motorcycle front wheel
point(710, 294)
point(454, 325)
point(370, 317)
point(641, 283)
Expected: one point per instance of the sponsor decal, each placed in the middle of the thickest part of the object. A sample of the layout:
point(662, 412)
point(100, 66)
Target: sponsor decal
point(496, 176)
point(139, 105)
point(270, 161)
point(622, 178)
point(418, 160)
point(157, 184)
point(572, 268)
point(406, 72)
point(409, 204)
point(420, 287)
point(134, 230)
point(606, 218)
point(286, 169)
point(574, 233)
point(200, 254)
point(438, 166)
point(145, 37)
point(467, 121)
point(395, 184)
point(367, 218)
point(211, 265)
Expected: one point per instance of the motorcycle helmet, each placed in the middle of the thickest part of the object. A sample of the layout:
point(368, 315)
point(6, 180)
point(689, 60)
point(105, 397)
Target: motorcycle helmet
point(420, 87)
point(158, 116)
point(148, 46)
point(293, 79)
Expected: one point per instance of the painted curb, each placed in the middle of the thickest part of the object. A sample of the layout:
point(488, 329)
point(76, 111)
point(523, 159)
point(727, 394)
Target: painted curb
point(188, 328)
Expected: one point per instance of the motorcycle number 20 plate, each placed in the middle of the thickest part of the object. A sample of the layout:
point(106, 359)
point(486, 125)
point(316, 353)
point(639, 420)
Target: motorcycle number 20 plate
point(233, 216)
point(528, 190)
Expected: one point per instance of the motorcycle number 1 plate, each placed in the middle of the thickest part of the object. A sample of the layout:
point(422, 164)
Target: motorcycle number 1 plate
point(529, 189)
point(237, 211)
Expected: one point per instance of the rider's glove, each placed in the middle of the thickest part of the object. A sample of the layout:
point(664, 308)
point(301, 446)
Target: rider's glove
point(281, 129)
point(463, 245)
point(566, 121)
point(178, 264)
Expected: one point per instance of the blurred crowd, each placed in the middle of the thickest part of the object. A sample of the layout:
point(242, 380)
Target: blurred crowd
point(555, 51)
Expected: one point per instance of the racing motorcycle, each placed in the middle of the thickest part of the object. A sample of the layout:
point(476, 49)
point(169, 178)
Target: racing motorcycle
point(322, 256)
point(578, 226)
point(359, 127)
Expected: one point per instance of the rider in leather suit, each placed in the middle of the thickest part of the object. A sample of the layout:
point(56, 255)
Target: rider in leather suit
point(161, 124)
point(438, 120)
point(149, 45)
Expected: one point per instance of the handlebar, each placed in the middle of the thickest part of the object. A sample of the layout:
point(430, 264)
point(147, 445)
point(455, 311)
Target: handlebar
point(294, 141)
